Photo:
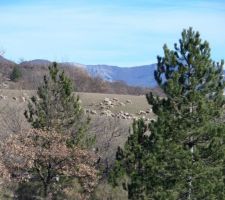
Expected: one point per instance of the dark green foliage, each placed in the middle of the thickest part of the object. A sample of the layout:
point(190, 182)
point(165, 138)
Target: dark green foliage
point(16, 74)
point(57, 107)
point(184, 156)
point(29, 191)
point(130, 161)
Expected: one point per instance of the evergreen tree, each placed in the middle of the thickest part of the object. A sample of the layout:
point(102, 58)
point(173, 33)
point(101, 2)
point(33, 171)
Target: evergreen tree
point(183, 156)
point(16, 74)
point(57, 107)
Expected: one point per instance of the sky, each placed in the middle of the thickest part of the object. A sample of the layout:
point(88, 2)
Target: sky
point(116, 32)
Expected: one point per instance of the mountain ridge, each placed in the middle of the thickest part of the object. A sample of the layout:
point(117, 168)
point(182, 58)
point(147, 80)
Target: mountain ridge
point(135, 76)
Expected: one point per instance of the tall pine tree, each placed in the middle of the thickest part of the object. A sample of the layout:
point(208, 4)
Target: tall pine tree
point(56, 107)
point(183, 157)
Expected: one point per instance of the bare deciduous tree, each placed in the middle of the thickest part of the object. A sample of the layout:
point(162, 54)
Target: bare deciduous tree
point(109, 132)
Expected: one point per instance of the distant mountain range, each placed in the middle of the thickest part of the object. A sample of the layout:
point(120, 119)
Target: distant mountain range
point(135, 76)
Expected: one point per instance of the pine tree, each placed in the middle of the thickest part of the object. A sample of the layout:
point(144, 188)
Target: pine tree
point(16, 74)
point(183, 156)
point(56, 107)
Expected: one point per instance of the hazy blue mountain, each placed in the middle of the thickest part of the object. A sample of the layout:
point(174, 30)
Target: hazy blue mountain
point(135, 76)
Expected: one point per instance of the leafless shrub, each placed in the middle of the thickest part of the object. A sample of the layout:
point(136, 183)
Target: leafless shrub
point(110, 132)
point(12, 119)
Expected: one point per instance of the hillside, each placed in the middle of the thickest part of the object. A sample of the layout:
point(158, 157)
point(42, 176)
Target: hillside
point(34, 70)
point(141, 76)
point(136, 76)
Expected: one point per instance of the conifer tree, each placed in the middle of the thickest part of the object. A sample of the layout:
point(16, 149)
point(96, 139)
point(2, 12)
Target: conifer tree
point(56, 107)
point(183, 156)
point(16, 74)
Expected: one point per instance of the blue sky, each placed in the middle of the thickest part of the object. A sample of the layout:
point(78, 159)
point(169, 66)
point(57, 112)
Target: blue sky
point(116, 32)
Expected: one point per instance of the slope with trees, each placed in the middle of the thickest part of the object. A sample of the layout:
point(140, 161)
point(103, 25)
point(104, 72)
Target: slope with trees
point(50, 157)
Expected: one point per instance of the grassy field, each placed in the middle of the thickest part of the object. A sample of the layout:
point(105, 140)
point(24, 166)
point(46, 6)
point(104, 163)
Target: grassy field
point(88, 100)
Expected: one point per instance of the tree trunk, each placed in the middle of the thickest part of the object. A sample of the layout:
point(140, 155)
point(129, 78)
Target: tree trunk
point(45, 190)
